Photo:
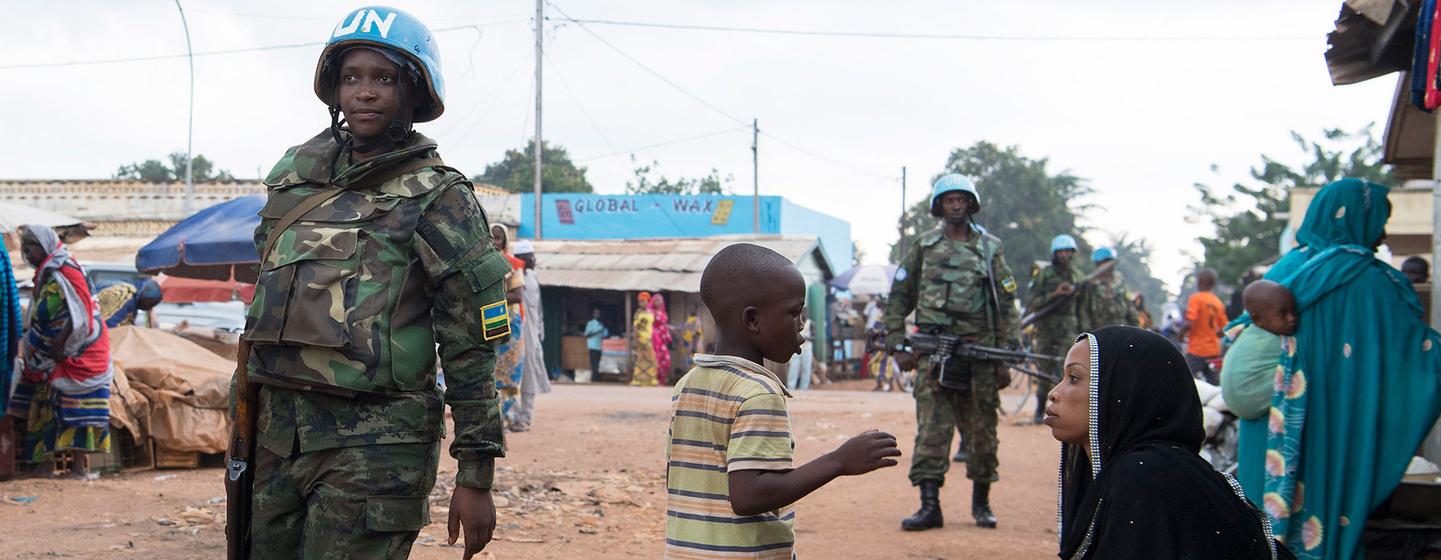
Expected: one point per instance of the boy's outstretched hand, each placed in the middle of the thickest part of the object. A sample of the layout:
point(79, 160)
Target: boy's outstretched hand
point(871, 450)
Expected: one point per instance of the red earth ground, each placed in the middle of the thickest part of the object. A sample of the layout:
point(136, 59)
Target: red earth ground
point(586, 482)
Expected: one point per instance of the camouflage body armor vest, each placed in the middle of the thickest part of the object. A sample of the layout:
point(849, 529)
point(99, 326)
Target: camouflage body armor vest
point(955, 285)
point(341, 304)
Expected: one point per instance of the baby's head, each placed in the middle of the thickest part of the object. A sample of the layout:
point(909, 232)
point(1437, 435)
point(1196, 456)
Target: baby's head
point(1272, 307)
point(756, 295)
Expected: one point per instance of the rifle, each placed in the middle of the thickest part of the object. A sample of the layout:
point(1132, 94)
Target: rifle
point(1050, 308)
point(948, 346)
point(239, 477)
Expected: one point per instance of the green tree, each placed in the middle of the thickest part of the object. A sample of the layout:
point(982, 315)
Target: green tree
point(1022, 202)
point(648, 180)
point(516, 171)
point(156, 171)
point(1250, 218)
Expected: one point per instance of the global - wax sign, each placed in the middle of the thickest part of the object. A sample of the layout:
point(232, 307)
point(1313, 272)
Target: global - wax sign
point(653, 216)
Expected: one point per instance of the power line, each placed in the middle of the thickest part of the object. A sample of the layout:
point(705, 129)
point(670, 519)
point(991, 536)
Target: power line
point(581, 24)
point(489, 102)
point(648, 69)
point(664, 143)
point(27, 66)
point(594, 125)
point(831, 161)
point(946, 36)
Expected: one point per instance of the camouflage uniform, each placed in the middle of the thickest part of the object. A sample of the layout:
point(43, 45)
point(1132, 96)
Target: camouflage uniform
point(946, 283)
point(1056, 332)
point(1104, 303)
point(354, 298)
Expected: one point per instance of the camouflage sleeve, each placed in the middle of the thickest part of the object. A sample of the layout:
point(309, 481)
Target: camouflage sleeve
point(1132, 317)
point(903, 297)
point(1083, 306)
point(1040, 289)
point(1009, 324)
point(468, 308)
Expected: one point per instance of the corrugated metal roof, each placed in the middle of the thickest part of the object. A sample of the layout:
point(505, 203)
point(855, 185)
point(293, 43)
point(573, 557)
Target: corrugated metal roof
point(650, 264)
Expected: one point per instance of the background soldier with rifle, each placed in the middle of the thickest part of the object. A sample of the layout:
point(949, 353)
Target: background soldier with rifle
point(1104, 301)
point(372, 253)
point(1052, 288)
point(956, 280)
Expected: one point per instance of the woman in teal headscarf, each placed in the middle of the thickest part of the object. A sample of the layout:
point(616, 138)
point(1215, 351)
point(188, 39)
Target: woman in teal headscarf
point(1358, 385)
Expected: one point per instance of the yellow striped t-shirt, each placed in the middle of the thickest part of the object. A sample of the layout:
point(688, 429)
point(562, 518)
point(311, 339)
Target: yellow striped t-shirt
point(727, 414)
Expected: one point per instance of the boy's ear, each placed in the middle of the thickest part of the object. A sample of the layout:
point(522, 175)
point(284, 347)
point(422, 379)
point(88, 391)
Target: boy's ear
point(751, 319)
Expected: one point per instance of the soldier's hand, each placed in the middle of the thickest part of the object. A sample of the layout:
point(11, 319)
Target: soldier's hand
point(1003, 377)
point(871, 450)
point(906, 361)
point(1064, 290)
point(474, 509)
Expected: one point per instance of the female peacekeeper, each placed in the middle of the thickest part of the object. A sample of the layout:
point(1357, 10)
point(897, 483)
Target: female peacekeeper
point(389, 256)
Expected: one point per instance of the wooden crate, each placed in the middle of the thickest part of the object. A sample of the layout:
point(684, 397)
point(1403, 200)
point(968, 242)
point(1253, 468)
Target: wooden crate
point(126, 455)
point(167, 459)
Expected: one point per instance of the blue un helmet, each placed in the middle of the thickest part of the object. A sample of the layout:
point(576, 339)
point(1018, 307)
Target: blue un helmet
point(1063, 242)
point(402, 38)
point(1103, 254)
point(952, 182)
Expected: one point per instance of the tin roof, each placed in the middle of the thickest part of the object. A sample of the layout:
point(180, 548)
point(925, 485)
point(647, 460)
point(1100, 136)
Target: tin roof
point(653, 264)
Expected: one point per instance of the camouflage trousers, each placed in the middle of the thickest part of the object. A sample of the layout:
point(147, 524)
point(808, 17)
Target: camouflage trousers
point(940, 411)
point(366, 502)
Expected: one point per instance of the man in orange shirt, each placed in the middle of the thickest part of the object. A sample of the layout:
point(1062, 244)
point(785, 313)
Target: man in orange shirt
point(1205, 317)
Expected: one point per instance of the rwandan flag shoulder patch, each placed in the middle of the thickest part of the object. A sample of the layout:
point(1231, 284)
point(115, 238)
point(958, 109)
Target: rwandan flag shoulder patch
point(495, 321)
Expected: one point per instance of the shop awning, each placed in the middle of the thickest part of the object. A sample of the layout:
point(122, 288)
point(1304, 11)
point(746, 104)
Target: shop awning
point(673, 265)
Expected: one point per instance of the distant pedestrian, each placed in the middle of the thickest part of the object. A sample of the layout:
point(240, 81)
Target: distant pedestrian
point(660, 338)
point(1205, 317)
point(510, 356)
point(798, 369)
point(121, 302)
point(1416, 270)
point(730, 477)
point(642, 328)
point(534, 380)
point(595, 333)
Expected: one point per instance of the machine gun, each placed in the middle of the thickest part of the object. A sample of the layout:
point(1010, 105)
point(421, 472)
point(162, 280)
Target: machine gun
point(947, 346)
point(1050, 308)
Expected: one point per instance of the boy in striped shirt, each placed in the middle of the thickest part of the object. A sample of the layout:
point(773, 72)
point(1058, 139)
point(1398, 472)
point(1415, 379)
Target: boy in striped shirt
point(729, 479)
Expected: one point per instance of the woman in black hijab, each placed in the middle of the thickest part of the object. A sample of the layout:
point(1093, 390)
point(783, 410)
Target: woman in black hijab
point(1131, 482)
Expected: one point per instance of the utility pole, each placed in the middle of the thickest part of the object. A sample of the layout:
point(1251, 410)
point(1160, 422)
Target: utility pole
point(190, 126)
point(755, 177)
point(903, 204)
point(901, 223)
point(539, 35)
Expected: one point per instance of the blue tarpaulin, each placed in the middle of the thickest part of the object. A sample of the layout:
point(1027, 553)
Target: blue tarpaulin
point(216, 243)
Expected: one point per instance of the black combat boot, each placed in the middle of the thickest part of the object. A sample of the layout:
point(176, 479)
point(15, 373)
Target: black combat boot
point(961, 455)
point(981, 505)
point(929, 516)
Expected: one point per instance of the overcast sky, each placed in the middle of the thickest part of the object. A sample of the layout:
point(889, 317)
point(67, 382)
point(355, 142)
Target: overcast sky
point(1141, 119)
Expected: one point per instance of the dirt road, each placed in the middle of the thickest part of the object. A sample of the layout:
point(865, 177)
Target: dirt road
point(587, 482)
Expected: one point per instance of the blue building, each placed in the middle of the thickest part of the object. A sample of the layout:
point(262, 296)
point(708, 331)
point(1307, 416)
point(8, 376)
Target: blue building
point(595, 216)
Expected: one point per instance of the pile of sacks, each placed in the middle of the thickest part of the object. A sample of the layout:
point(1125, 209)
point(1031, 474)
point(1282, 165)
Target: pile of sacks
point(1219, 448)
point(170, 389)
